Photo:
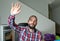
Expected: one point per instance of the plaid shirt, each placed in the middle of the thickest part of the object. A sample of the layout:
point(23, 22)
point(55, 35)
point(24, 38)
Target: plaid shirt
point(23, 32)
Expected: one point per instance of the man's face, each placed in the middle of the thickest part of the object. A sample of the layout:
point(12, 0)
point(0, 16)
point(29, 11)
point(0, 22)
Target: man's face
point(32, 22)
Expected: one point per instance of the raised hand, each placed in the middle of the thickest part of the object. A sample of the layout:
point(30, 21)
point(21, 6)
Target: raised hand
point(16, 8)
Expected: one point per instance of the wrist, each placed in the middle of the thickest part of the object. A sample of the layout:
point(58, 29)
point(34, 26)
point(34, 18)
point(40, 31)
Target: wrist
point(12, 15)
point(14, 12)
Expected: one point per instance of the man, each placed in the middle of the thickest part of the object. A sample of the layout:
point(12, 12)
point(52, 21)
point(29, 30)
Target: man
point(28, 33)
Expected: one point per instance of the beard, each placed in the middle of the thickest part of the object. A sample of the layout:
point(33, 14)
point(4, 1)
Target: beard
point(32, 27)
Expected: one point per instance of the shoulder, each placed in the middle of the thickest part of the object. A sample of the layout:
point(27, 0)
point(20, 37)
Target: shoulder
point(22, 28)
point(38, 32)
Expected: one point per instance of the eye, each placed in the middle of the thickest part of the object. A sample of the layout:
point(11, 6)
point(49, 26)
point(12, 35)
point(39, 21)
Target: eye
point(30, 20)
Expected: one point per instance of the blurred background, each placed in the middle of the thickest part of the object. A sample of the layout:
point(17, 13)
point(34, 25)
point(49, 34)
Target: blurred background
point(47, 11)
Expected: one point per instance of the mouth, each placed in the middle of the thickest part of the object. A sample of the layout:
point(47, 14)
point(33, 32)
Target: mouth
point(31, 26)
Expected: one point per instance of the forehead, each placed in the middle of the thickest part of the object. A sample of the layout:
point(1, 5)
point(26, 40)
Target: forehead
point(33, 18)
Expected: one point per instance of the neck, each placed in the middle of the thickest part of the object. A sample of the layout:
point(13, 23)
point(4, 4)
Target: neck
point(31, 30)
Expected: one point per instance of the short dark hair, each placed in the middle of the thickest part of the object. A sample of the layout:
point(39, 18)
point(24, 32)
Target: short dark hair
point(33, 16)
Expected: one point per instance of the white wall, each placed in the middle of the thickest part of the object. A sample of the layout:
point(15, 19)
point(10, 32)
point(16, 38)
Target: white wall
point(44, 24)
point(40, 6)
point(5, 6)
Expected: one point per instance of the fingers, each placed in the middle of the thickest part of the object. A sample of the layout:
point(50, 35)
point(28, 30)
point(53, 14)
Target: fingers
point(18, 11)
point(16, 8)
point(12, 7)
point(17, 4)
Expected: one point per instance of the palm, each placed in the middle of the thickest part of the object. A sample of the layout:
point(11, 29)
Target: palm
point(15, 9)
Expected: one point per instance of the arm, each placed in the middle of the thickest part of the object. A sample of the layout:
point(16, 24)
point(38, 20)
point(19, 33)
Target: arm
point(11, 19)
point(11, 23)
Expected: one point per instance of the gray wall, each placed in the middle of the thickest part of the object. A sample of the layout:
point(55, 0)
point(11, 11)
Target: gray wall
point(0, 20)
point(5, 6)
point(0, 15)
point(44, 24)
point(40, 6)
point(55, 16)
